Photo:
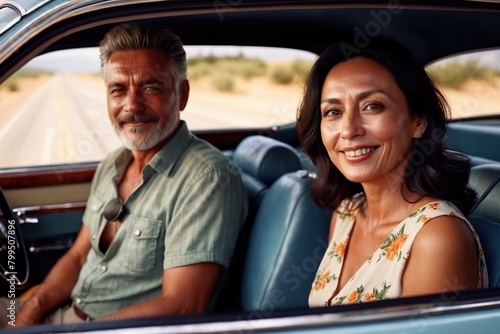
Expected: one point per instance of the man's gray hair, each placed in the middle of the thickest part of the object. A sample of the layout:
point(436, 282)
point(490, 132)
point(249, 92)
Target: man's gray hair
point(126, 37)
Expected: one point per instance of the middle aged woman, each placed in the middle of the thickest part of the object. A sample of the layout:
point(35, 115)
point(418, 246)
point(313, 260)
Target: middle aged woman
point(373, 124)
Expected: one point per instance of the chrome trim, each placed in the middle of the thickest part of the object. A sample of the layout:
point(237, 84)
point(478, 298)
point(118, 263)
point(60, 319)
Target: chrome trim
point(16, 18)
point(298, 322)
point(20, 7)
point(62, 244)
point(53, 12)
point(23, 219)
point(50, 207)
point(15, 6)
point(34, 5)
point(50, 168)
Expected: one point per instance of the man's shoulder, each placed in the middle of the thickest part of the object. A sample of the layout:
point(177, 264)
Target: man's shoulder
point(202, 153)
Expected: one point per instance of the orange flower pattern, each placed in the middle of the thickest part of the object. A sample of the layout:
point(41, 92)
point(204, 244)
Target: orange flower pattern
point(369, 297)
point(359, 295)
point(353, 297)
point(321, 280)
point(380, 276)
point(338, 250)
point(393, 244)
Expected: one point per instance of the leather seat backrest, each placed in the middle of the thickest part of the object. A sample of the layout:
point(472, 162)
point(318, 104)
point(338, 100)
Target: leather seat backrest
point(287, 243)
point(262, 160)
point(485, 215)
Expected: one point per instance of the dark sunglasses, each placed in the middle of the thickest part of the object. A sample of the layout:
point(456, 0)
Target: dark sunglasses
point(113, 210)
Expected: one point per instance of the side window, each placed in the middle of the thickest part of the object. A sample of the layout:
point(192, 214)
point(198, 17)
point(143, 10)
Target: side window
point(470, 83)
point(53, 110)
point(244, 87)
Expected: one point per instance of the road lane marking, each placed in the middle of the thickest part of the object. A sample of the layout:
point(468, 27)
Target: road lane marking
point(47, 146)
point(63, 138)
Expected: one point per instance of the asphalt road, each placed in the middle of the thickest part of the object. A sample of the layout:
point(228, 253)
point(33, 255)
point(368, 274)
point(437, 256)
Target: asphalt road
point(64, 120)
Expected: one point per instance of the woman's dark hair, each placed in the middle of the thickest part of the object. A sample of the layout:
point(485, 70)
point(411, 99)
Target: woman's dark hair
point(432, 170)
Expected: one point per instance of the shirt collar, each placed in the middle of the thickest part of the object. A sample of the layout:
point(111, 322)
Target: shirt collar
point(165, 159)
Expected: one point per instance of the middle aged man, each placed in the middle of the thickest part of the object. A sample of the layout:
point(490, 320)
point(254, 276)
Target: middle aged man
point(164, 212)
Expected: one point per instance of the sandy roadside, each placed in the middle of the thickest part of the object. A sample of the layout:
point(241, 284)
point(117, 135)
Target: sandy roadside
point(11, 101)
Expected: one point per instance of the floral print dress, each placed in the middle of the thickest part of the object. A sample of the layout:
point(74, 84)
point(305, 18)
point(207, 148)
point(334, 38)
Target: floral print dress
point(380, 276)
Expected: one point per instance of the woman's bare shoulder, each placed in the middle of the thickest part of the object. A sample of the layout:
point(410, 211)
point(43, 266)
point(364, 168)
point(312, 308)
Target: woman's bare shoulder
point(444, 257)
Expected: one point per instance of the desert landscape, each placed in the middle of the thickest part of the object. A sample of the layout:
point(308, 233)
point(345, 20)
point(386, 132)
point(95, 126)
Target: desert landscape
point(61, 118)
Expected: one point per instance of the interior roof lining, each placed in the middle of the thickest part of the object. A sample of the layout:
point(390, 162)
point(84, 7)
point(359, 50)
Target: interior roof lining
point(442, 34)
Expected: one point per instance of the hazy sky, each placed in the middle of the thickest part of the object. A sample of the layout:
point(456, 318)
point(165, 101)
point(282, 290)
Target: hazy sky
point(87, 59)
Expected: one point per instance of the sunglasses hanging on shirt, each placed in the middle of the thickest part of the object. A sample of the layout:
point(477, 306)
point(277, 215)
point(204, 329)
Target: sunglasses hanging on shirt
point(113, 210)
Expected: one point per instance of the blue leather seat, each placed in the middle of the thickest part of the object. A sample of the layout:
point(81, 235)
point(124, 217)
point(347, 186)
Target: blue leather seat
point(261, 161)
point(485, 216)
point(287, 242)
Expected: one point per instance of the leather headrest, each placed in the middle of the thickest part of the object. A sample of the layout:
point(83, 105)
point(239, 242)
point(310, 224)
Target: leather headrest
point(485, 179)
point(266, 159)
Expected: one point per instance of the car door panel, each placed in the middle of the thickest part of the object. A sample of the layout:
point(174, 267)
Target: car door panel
point(50, 202)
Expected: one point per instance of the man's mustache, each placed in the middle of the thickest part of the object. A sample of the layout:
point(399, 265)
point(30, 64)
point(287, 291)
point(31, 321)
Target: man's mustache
point(139, 117)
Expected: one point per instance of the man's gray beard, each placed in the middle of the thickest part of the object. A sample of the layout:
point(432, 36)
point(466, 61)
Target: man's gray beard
point(142, 143)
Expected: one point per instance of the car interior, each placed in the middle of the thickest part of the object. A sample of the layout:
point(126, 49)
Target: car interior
point(286, 233)
point(288, 230)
